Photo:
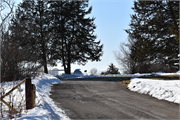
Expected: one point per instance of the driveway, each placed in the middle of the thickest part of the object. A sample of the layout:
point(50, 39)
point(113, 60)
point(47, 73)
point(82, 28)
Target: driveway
point(105, 98)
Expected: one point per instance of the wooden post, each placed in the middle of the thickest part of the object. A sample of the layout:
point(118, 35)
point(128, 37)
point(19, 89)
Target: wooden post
point(28, 90)
point(33, 95)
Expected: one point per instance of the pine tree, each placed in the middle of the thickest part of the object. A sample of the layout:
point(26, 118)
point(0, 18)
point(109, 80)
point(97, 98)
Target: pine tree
point(74, 39)
point(152, 26)
point(112, 70)
point(56, 30)
point(30, 28)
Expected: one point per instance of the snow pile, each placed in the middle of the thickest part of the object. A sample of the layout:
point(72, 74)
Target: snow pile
point(168, 74)
point(117, 75)
point(45, 107)
point(66, 76)
point(126, 75)
point(160, 89)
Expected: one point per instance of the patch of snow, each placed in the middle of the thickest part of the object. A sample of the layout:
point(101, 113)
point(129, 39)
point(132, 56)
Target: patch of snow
point(45, 107)
point(160, 89)
point(177, 73)
point(67, 76)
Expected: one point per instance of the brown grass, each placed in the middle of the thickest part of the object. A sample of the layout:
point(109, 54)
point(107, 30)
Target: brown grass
point(171, 75)
point(18, 103)
point(124, 83)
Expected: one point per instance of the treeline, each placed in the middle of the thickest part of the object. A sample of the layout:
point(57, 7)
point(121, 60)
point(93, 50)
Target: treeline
point(42, 33)
point(112, 69)
point(153, 42)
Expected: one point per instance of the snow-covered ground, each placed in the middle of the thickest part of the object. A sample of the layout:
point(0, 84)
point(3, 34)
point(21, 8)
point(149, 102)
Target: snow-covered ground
point(161, 89)
point(45, 107)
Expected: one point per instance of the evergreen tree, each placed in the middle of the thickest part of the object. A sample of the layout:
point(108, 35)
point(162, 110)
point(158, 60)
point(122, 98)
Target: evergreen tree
point(153, 26)
point(74, 39)
point(112, 70)
point(56, 30)
point(30, 28)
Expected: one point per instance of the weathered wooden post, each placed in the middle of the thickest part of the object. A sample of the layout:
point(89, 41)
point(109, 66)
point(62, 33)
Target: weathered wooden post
point(33, 95)
point(28, 90)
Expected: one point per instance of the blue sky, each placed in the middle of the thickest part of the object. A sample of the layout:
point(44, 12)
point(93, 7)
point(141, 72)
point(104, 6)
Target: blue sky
point(112, 17)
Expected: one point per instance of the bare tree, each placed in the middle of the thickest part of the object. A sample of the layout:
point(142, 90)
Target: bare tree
point(123, 57)
point(93, 71)
point(16, 62)
point(5, 5)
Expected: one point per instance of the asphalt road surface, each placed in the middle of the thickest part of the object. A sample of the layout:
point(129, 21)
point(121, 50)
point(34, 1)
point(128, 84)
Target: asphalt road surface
point(105, 98)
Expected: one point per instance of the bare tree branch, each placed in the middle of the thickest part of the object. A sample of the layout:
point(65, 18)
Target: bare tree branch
point(123, 56)
point(10, 5)
point(93, 71)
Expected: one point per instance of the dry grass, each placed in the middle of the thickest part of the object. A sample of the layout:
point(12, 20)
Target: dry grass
point(124, 83)
point(175, 75)
point(17, 103)
point(162, 77)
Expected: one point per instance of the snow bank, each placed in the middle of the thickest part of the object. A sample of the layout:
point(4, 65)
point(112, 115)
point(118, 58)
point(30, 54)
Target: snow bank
point(46, 108)
point(160, 89)
point(169, 74)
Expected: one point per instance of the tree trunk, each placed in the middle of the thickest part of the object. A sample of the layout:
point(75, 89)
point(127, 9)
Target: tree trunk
point(45, 68)
point(65, 68)
point(68, 68)
point(45, 61)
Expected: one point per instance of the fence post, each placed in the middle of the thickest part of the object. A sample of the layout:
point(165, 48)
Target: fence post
point(33, 95)
point(28, 90)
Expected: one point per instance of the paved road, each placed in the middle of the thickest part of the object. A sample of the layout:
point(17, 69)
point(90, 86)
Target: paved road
point(103, 98)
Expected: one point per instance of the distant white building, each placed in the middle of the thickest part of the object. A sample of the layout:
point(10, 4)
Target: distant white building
point(54, 71)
